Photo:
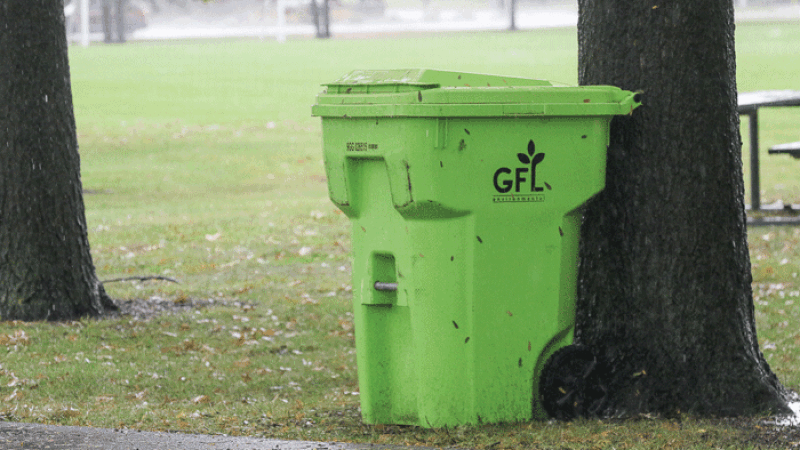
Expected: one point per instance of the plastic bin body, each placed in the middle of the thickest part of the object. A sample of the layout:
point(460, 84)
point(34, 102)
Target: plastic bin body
point(469, 199)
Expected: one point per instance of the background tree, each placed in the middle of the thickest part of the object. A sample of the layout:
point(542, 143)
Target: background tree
point(512, 12)
point(665, 282)
point(321, 15)
point(114, 20)
point(46, 270)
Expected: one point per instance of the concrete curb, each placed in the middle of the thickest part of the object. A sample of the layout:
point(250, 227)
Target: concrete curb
point(15, 435)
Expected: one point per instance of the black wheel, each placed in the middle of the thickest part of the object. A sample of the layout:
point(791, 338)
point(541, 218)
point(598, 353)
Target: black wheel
point(573, 384)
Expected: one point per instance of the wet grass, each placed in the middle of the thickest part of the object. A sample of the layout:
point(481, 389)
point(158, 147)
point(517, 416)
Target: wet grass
point(201, 162)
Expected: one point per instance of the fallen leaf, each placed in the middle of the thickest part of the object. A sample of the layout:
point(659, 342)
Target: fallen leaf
point(17, 338)
point(207, 349)
point(242, 363)
point(200, 399)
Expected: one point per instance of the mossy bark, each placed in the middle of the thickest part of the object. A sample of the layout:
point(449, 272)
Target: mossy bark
point(665, 282)
point(46, 270)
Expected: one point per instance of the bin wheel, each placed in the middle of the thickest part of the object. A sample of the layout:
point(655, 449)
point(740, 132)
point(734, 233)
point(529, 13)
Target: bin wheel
point(573, 384)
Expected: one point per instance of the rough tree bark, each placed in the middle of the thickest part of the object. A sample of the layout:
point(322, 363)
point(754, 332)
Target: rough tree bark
point(46, 270)
point(665, 283)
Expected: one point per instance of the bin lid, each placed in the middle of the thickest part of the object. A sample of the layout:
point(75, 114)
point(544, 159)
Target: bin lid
point(436, 93)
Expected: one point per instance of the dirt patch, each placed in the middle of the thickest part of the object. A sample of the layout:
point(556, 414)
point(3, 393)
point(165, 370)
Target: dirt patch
point(145, 309)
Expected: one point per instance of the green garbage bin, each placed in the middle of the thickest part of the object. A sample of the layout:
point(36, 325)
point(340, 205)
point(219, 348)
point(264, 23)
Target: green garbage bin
point(464, 192)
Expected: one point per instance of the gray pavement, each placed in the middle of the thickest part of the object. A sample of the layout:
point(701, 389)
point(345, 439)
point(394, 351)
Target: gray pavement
point(15, 435)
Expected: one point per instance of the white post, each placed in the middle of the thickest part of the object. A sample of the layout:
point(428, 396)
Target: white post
point(85, 23)
point(281, 13)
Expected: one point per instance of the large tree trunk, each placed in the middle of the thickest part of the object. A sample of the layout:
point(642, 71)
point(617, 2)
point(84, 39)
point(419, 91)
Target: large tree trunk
point(46, 270)
point(665, 284)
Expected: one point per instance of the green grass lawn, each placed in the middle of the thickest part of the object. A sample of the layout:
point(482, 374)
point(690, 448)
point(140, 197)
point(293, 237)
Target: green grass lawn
point(201, 162)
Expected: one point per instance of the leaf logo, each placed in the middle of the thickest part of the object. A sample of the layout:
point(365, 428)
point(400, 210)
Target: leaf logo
point(520, 174)
point(533, 160)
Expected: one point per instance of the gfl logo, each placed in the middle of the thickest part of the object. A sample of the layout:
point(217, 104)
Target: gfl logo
point(505, 179)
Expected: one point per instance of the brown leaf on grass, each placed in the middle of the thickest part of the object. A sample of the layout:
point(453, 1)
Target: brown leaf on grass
point(67, 412)
point(208, 349)
point(242, 363)
point(16, 338)
point(137, 396)
point(307, 300)
point(16, 395)
point(190, 344)
point(262, 332)
point(201, 399)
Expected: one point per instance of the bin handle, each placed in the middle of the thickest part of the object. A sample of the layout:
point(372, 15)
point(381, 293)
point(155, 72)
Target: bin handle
point(384, 286)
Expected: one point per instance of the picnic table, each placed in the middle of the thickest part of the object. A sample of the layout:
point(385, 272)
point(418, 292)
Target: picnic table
point(749, 103)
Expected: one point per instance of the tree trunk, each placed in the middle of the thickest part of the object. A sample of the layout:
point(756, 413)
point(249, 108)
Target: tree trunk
point(326, 19)
point(46, 270)
point(108, 30)
point(665, 284)
point(120, 8)
point(321, 15)
point(512, 12)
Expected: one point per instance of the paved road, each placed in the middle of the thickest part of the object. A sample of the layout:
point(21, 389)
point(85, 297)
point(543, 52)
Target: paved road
point(34, 436)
